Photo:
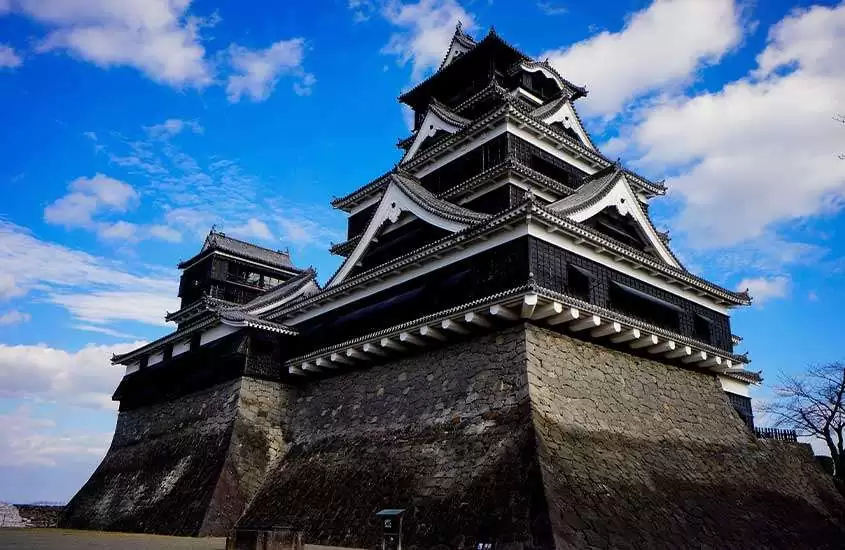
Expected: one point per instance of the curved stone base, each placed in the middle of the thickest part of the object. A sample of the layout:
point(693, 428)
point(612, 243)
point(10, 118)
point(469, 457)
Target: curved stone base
point(184, 467)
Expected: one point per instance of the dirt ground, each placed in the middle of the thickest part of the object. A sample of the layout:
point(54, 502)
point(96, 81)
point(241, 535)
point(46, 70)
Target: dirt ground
point(60, 539)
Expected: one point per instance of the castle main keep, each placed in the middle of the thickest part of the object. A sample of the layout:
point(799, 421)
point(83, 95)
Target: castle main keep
point(510, 351)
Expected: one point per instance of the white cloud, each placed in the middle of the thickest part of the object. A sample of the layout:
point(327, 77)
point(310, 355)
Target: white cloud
point(253, 228)
point(165, 233)
point(157, 37)
point(14, 317)
point(90, 196)
point(551, 8)
point(427, 28)
point(362, 10)
point(8, 58)
point(118, 231)
point(172, 127)
point(40, 373)
point(9, 287)
point(91, 288)
point(256, 72)
point(105, 330)
point(26, 440)
point(195, 193)
point(106, 306)
point(662, 45)
point(763, 289)
point(762, 150)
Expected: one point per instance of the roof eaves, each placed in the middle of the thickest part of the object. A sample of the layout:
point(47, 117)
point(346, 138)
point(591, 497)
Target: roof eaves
point(636, 323)
point(675, 273)
point(385, 270)
point(172, 337)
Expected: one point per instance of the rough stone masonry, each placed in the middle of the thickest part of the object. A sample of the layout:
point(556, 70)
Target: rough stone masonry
point(526, 438)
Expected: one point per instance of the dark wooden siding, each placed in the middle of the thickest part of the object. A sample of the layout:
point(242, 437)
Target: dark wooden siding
point(500, 268)
point(550, 266)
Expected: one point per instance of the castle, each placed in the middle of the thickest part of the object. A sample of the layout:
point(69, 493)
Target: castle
point(510, 351)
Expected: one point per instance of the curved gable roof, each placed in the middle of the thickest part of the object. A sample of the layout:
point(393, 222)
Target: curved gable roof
point(404, 193)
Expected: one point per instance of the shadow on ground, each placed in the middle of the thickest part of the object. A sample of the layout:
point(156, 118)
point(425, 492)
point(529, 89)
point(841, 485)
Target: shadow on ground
point(61, 539)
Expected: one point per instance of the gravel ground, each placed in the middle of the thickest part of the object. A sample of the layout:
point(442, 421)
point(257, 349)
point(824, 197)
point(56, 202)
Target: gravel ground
point(60, 539)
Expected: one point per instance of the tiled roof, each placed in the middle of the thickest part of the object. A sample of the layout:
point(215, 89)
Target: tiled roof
point(283, 290)
point(595, 187)
point(430, 202)
point(574, 91)
point(492, 36)
point(223, 243)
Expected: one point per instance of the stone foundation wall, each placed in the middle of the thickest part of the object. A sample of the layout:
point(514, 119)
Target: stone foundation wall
point(446, 434)
point(184, 467)
point(524, 438)
point(640, 454)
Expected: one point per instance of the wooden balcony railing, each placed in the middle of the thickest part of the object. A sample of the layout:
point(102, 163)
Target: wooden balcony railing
point(776, 433)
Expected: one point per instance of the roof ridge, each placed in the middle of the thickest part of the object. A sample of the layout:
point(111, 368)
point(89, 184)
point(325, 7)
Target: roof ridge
point(225, 236)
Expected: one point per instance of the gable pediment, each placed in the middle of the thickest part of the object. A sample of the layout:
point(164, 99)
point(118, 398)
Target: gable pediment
point(438, 120)
point(561, 114)
point(606, 200)
point(405, 199)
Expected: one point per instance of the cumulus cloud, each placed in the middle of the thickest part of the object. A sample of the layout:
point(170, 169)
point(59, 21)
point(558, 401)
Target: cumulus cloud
point(426, 27)
point(44, 374)
point(661, 46)
point(26, 440)
point(89, 196)
point(8, 58)
point(255, 73)
point(762, 150)
point(14, 317)
point(763, 289)
point(157, 37)
point(89, 287)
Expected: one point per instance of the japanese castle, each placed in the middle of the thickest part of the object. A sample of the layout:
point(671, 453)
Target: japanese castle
point(509, 352)
point(501, 210)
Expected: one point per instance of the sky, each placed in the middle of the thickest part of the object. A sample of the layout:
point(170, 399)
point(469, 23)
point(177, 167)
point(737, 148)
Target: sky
point(130, 127)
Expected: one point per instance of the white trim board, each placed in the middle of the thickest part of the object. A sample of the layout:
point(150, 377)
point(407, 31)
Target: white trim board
point(735, 386)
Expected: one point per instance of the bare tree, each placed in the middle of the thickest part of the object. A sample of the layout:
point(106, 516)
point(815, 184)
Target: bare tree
point(841, 119)
point(813, 404)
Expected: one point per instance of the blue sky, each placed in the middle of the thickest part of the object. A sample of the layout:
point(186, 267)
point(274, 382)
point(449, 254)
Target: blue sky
point(129, 128)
